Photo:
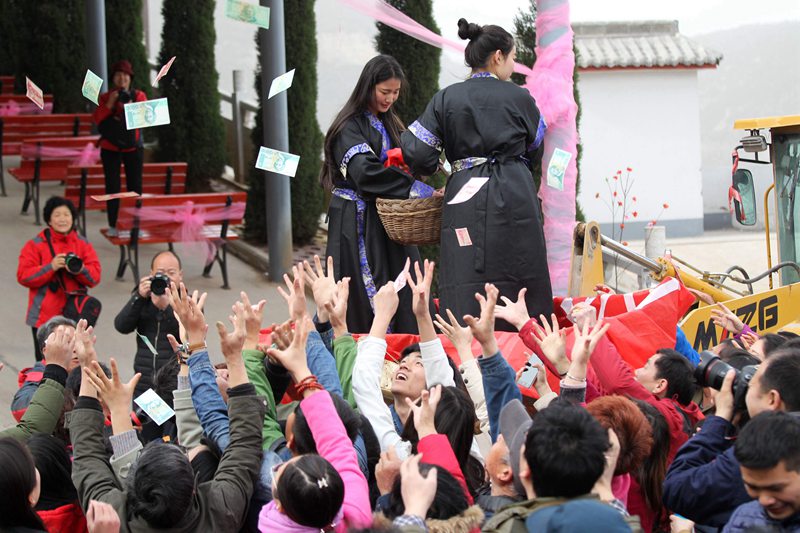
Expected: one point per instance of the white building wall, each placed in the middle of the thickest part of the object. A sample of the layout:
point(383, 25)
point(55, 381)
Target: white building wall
point(648, 120)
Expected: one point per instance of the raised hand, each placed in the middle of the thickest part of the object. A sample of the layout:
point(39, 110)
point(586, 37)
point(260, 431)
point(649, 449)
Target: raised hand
point(585, 342)
point(483, 328)
point(515, 313)
point(702, 297)
point(282, 335)
point(552, 341)
point(727, 319)
point(425, 413)
point(102, 518)
point(387, 470)
point(336, 309)
point(296, 297)
point(231, 343)
point(189, 313)
point(749, 339)
point(418, 491)
point(84, 343)
point(385, 306)
point(421, 292)
point(60, 346)
point(116, 394)
point(253, 315)
point(293, 358)
point(323, 285)
point(461, 337)
point(583, 314)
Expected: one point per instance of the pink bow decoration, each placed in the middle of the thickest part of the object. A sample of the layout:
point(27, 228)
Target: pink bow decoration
point(188, 220)
point(12, 109)
point(84, 157)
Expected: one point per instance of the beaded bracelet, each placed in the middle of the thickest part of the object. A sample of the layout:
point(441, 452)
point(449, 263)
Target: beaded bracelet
point(312, 385)
point(307, 379)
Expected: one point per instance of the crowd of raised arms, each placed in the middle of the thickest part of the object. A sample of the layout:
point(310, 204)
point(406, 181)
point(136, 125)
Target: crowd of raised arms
point(439, 448)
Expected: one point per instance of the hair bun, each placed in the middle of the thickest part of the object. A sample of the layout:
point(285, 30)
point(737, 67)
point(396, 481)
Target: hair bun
point(468, 30)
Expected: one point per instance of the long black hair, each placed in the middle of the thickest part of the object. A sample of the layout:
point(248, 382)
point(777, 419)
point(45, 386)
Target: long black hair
point(483, 42)
point(377, 70)
point(310, 491)
point(16, 484)
point(651, 473)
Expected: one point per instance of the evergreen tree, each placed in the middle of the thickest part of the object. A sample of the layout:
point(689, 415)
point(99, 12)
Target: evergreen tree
point(305, 137)
point(7, 29)
point(196, 133)
point(420, 61)
point(124, 40)
point(525, 33)
point(50, 39)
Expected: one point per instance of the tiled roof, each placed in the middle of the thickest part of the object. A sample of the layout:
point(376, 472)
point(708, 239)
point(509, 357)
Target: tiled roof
point(640, 44)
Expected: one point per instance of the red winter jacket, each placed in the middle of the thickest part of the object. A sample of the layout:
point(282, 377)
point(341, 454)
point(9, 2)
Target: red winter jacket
point(46, 299)
point(65, 519)
point(102, 112)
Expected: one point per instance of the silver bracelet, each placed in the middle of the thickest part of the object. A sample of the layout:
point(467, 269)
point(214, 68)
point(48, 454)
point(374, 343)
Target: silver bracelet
point(576, 379)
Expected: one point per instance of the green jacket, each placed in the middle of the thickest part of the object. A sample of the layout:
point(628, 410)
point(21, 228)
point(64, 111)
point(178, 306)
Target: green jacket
point(218, 505)
point(345, 350)
point(42, 414)
point(254, 363)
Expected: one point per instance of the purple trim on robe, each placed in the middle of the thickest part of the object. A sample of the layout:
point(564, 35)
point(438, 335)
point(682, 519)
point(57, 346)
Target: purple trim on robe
point(362, 148)
point(424, 135)
point(421, 190)
point(540, 131)
point(366, 271)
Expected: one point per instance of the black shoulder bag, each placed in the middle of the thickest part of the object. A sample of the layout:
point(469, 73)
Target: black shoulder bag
point(79, 304)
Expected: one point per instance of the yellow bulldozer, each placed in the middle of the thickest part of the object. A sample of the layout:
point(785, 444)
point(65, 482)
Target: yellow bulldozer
point(765, 311)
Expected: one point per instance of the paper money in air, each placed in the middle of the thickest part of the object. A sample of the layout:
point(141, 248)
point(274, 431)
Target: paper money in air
point(281, 83)
point(247, 12)
point(278, 162)
point(34, 93)
point(146, 114)
point(163, 71)
point(92, 83)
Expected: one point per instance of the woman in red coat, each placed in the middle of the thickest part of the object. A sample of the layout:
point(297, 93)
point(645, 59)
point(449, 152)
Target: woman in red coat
point(50, 276)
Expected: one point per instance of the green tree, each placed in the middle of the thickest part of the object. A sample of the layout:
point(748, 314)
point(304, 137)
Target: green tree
point(124, 40)
point(420, 61)
point(305, 137)
point(50, 39)
point(8, 27)
point(525, 37)
point(196, 133)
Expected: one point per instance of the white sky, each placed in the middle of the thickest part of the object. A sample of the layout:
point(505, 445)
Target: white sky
point(695, 16)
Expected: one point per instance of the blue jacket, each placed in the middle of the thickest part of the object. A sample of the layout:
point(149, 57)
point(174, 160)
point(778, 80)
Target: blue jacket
point(704, 482)
point(499, 388)
point(682, 345)
point(751, 515)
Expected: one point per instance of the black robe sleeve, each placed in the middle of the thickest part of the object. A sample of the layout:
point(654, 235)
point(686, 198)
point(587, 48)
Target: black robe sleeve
point(422, 142)
point(534, 124)
point(362, 169)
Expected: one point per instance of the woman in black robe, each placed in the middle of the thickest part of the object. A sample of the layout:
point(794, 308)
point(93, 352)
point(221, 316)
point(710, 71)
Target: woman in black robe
point(355, 151)
point(487, 127)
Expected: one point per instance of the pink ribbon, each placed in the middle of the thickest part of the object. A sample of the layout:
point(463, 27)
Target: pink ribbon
point(84, 157)
point(12, 109)
point(190, 219)
point(552, 87)
point(394, 18)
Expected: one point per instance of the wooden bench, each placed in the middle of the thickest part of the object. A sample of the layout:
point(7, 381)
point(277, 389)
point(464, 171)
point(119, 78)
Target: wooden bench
point(133, 229)
point(28, 107)
point(14, 129)
point(6, 84)
point(35, 167)
point(83, 183)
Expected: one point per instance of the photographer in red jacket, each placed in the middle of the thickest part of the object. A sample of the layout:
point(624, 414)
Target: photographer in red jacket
point(50, 273)
point(118, 144)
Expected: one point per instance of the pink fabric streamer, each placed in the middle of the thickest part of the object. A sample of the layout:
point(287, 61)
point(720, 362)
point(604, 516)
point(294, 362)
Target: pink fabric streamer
point(84, 157)
point(190, 219)
point(552, 87)
point(394, 18)
point(12, 109)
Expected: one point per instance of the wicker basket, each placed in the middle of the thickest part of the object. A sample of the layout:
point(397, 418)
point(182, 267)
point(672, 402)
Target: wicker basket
point(415, 221)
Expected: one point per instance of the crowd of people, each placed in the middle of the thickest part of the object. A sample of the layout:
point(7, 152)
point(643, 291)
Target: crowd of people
point(305, 427)
point(442, 447)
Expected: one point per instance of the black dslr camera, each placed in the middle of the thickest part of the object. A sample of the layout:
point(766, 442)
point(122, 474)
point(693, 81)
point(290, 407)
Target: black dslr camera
point(125, 96)
point(73, 263)
point(711, 370)
point(159, 284)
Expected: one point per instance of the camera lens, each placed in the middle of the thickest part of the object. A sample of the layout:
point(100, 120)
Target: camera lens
point(711, 370)
point(158, 284)
point(73, 263)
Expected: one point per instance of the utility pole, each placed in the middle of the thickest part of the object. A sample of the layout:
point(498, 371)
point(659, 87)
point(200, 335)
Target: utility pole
point(276, 136)
point(96, 38)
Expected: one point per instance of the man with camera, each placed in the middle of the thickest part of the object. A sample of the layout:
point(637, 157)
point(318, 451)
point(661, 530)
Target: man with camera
point(148, 313)
point(118, 144)
point(704, 482)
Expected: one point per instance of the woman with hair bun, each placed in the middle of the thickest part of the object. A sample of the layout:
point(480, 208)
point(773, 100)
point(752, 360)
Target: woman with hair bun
point(487, 128)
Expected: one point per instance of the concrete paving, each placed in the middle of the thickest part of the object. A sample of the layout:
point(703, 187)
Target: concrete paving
point(16, 342)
